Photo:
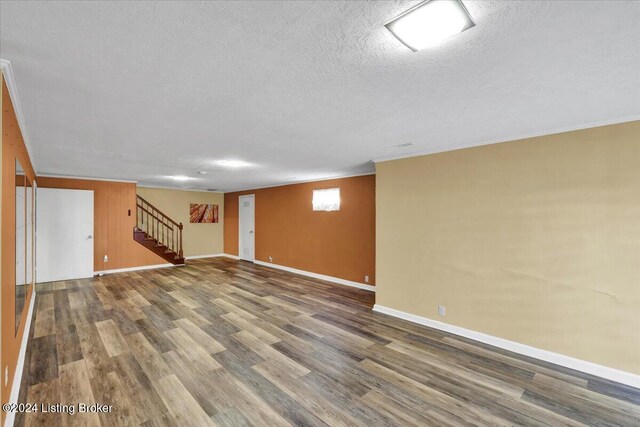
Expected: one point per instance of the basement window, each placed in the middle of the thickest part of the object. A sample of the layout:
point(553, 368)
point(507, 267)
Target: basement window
point(326, 200)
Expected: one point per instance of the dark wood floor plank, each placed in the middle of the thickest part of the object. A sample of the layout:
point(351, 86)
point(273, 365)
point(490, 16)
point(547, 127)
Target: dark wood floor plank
point(68, 346)
point(154, 334)
point(43, 361)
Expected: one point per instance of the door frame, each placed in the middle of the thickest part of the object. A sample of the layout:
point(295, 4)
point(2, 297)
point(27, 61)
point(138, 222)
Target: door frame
point(240, 198)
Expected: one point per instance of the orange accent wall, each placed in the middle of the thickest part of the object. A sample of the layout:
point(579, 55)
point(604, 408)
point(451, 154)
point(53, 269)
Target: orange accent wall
point(339, 244)
point(13, 148)
point(113, 227)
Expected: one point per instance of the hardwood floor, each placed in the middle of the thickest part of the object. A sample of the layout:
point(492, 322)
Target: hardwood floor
point(223, 342)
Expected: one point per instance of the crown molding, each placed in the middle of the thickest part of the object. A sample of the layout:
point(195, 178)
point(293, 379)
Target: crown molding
point(303, 182)
point(86, 178)
point(166, 187)
point(598, 123)
point(9, 77)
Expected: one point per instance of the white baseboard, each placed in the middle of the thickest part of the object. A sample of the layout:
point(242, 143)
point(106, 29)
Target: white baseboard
point(231, 256)
point(205, 256)
point(150, 267)
point(318, 276)
point(17, 377)
point(612, 374)
point(142, 267)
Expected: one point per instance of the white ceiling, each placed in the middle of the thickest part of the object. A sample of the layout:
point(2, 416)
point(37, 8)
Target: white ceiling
point(304, 90)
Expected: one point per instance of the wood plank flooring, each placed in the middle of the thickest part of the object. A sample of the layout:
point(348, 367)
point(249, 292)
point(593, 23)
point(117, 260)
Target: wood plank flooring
point(229, 343)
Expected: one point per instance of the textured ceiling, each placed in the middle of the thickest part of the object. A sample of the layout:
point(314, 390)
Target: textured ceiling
point(303, 90)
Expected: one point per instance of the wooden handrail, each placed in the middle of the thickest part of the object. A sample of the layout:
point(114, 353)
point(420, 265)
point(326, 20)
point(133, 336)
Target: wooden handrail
point(157, 218)
point(158, 211)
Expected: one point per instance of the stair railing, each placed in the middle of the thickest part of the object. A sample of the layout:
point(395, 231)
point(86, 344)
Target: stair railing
point(159, 226)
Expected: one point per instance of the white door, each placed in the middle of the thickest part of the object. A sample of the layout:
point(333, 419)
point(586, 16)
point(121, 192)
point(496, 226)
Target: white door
point(65, 234)
point(247, 236)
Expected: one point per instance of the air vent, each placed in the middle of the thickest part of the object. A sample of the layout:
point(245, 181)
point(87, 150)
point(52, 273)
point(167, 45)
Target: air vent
point(212, 189)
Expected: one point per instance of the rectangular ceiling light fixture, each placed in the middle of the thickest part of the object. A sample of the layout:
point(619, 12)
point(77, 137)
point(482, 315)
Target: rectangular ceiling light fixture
point(430, 22)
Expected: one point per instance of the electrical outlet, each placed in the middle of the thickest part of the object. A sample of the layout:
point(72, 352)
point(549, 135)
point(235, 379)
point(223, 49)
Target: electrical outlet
point(270, 259)
point(106, 258)
point(442, 310)
point(6, 375)
point(366, 279)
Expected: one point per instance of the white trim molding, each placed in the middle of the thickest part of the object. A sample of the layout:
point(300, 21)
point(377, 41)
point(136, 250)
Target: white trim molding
point(142, 267)
point(306, 181)
point(318, 276)
point(9, 77)
point(606, 372)
point(151, 267)
point(205, 256)
point(165, 187)
point(85, 178)
point(17, 376)
point(236, 257)
point(582, 126)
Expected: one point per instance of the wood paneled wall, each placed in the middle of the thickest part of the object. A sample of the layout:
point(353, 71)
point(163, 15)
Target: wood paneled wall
point(113, 227)
point(13, 147)
point(339, 244)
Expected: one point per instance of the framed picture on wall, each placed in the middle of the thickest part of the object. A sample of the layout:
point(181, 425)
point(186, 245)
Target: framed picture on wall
point(203, 213)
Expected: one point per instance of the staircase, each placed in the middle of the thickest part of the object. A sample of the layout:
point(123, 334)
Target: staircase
point(157, 232)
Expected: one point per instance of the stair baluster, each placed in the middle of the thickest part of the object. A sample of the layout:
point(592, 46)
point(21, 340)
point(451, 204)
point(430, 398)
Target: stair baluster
point(158, 232)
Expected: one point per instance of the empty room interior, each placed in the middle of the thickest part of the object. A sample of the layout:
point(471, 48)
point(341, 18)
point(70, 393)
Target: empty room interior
point(320, 213)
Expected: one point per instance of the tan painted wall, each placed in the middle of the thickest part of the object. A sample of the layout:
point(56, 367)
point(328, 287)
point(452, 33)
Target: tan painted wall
point(536, 241)
point(198, 239)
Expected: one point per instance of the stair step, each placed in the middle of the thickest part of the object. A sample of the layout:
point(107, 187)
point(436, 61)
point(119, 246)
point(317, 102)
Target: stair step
point(158, 248)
